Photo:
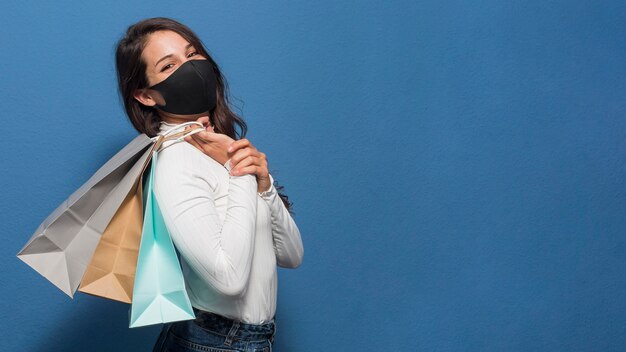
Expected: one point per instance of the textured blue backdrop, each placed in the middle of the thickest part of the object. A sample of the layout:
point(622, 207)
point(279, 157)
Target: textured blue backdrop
point(457, 167)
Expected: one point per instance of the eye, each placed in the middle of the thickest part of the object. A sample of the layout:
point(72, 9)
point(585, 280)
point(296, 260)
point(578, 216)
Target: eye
point(166, 67)
point(193, 53)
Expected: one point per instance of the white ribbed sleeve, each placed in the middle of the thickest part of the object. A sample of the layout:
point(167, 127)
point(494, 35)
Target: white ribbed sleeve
point(285, 233)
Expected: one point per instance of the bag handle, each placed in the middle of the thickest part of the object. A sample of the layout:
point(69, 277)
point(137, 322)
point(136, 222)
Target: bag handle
point(168, 136)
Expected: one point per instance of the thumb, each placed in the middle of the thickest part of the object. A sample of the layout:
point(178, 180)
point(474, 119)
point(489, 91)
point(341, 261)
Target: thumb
point(204, 120)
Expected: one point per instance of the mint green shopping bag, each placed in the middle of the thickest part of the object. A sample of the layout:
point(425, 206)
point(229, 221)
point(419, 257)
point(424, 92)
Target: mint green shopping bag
point(159, 294)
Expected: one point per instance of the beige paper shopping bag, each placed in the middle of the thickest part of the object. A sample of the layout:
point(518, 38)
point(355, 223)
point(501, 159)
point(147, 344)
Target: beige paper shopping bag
point(111, 272)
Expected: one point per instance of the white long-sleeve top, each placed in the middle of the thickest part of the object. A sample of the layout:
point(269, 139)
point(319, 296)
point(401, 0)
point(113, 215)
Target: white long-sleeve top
point(230, 237)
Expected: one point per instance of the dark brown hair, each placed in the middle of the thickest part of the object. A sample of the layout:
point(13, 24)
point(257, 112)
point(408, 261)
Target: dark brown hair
point(131, 75)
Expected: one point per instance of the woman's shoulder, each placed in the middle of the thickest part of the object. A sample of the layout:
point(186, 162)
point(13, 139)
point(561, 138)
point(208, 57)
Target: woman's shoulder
point(180, 160)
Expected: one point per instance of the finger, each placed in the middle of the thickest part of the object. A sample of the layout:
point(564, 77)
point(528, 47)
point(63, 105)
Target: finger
point(193, 142)
point(187, 138)
point(259, 163)
point(238, 144)
point(247, 161)
point(191, 127)
point(204, 137)
point(252, 170)
point(188, 129)
point(189, 132)
point(263, 160)
point(206, 123)
point(240, 155)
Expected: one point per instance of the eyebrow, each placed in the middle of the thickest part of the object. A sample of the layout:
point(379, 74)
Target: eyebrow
point(170, 55)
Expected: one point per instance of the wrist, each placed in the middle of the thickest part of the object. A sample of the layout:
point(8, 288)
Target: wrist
point(270, 189)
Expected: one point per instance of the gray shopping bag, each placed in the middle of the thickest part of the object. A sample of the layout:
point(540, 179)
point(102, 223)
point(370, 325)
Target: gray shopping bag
point(62, 246)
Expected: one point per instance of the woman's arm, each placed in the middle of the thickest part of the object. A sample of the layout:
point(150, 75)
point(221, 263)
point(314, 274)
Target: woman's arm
point(287, 241)
point(247, 160)
point(219, 252)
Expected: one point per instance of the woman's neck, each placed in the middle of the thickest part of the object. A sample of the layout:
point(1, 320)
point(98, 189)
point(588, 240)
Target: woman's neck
point(178, 119)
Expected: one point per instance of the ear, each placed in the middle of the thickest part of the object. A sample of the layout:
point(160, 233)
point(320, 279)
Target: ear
point(145, 97)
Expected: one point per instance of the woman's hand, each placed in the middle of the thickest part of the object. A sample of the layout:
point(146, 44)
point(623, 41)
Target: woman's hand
point(244, 157)
point(210, 143)
point(248, 160)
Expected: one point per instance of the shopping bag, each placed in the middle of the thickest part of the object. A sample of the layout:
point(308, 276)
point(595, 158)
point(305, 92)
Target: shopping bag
point(159, 294)
point(63, 244)
point(111, 271)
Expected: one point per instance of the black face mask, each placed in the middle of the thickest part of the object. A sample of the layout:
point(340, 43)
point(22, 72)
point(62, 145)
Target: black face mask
point(191, 89)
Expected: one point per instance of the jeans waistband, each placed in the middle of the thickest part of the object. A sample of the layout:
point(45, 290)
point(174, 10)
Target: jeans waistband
point(229, 327)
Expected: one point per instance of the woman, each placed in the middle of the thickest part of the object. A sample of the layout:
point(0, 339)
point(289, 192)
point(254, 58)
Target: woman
point(226, 218)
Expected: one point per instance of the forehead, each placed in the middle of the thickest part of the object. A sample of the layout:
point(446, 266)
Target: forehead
point(161, 43)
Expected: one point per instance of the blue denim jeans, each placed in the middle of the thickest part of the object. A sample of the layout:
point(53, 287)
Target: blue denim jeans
point(210, 332)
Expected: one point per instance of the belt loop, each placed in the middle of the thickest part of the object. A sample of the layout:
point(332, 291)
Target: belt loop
point(231, 333)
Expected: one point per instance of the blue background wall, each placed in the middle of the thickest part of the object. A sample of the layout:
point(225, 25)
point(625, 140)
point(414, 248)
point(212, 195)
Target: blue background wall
point(457, 167)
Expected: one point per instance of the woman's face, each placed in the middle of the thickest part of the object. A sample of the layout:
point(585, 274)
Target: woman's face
point(164, 52)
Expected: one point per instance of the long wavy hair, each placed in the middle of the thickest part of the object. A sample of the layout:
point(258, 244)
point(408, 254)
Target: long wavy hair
point(131, 75)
